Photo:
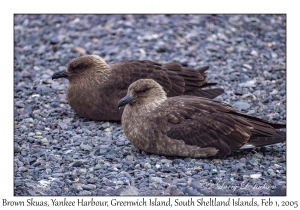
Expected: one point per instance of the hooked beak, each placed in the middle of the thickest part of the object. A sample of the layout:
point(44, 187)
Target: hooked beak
point(60, 74)
point(128, 99)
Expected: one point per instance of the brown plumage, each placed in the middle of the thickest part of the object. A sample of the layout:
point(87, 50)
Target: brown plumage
point(95, 87)
point(190, 126)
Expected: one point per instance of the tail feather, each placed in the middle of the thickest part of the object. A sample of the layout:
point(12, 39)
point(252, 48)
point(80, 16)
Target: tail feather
point(209, 84)
point(259, 141)
point(189, 81)
point(258, 121)
point(202, 69)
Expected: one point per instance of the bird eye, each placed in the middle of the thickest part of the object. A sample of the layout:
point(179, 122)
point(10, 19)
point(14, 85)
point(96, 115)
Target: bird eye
point(144, 90)
point(80, 67)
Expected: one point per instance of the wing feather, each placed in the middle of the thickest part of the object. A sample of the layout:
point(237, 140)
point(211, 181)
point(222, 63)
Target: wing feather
point(175, 79)
point(206, 123)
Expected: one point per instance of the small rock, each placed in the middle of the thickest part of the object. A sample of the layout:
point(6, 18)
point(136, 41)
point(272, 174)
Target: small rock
point(253, 162)
point(29, 120)
point(258, 155)
point(249, 94)
point(85, 193)
point(85, 147)
point(119, 183)
point(274, 92)
point(20, 104)
point(191, 192)
point(17, 149)
point(23, 169)
point(238, 92)
point(254, 53)
point(130, 190)
point(182, 184)
point(241, 105)
point(196, 185)
point(130, 158)
point(156, 179)
point(181, 180)
point(177, 161)
point(214, 171)
point(82, 170)
point(255, 176)
point(80, 50)
point(239, 165)
point(165, 161)
point(147, 166)
point(111, 154)
point(251, 83)
point(151, 171)
point(88, 187)
point(247, 66)
point(44, 142)
point(251, 111)
point(48, 170)
point(277, 166)
point(77, 164)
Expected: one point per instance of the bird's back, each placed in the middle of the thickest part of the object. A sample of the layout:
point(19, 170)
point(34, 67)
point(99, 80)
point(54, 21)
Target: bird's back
point(175, 79)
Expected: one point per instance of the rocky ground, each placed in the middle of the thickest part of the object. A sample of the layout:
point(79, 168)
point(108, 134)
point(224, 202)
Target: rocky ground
point(56, 152)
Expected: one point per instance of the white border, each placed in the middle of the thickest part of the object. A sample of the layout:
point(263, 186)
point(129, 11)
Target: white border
point(153, 6)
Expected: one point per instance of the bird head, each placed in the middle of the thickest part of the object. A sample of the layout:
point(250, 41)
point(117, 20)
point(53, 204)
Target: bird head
point(85, 66)
point(143, 92)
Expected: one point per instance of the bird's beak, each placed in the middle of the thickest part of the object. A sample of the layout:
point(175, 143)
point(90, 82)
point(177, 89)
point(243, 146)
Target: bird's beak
point(60, 74)
point(128, 99)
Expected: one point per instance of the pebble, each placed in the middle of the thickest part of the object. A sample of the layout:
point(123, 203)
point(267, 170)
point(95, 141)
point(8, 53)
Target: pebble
point(77, 164)
point(23, 169)
point(156, 179)
point(177, 161)
point(82, 170)
point(251, 83)
point(258, 155)
point(147, 166)
point(130, 158)
point(44, 142)
point(88, 187)
point(166, 161)
point(20, 104)
point(196, 185)
point(48, 170)
point(85, 193)
point(150, 171)
point(17, 149)
point(191, 192)
point(247, 66)
point(241, 105)
point(182, 184)
point(255, 176)
point(111, 154)
point(85, 147)
point(130, 190)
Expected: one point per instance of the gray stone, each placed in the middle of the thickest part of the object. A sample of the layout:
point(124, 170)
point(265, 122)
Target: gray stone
point(147, 166)
point(85, 147)
point(88, 186)
point(156, 179)
point(44, 142)
point(130, 190)
point(241, 105)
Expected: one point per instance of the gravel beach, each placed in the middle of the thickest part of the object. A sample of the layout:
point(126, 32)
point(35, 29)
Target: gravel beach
point(58, 153)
